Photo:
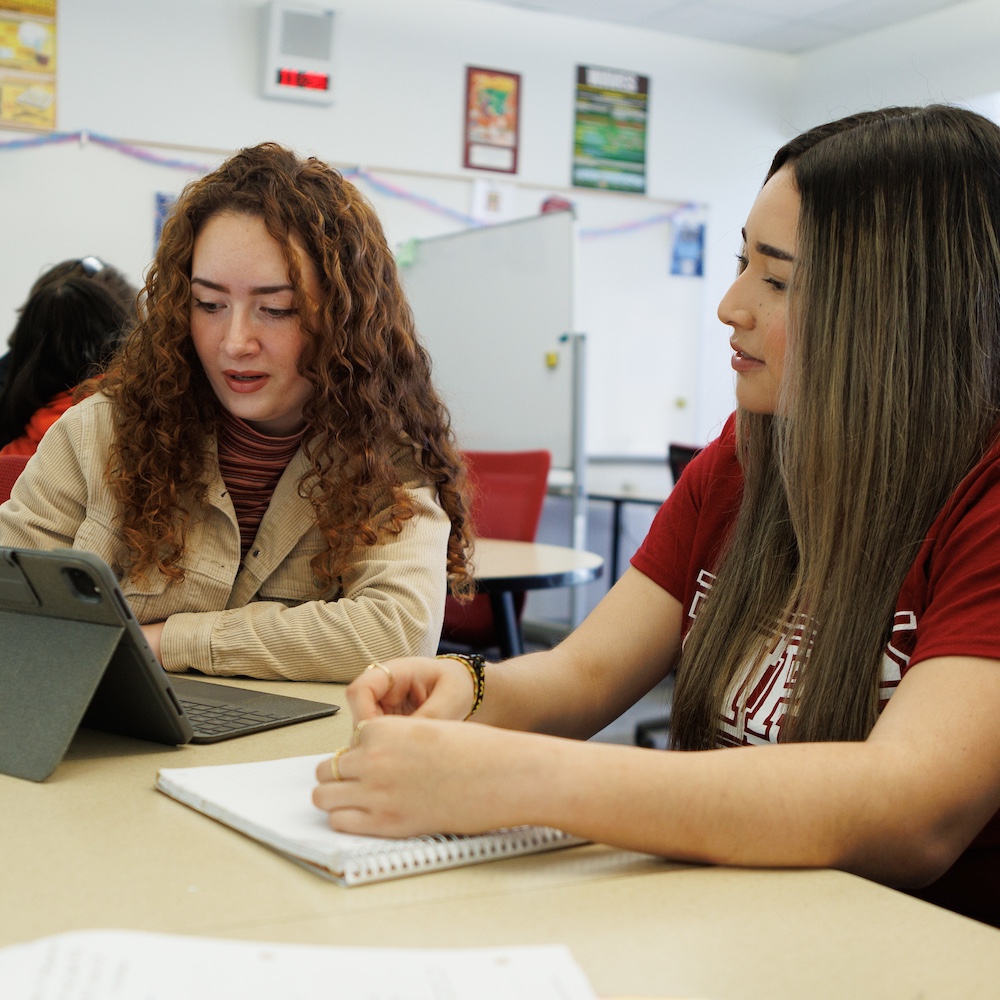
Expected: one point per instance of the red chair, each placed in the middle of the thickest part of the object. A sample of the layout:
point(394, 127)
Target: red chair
point(508, 490)
point(11, 466)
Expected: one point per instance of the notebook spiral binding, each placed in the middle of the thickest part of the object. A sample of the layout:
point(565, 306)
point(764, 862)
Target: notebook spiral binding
point(445, 851)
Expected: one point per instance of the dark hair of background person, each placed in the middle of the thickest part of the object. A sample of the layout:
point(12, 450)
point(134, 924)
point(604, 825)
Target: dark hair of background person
point(106, 275)
point(372, 376)
point(91, 268)
point(67, 330)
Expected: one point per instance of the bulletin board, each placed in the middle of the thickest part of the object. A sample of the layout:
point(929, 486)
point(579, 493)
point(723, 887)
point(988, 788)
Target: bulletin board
point(28, 64)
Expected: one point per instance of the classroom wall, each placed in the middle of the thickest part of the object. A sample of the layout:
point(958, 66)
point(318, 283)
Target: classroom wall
point(184, 72)
point(949, 55)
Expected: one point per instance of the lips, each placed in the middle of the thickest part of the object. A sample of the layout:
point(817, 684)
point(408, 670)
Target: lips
point(248, 381)
point(743, 362)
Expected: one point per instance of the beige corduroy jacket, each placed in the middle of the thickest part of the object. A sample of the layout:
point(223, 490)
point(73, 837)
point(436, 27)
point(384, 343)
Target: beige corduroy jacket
point(258, 618)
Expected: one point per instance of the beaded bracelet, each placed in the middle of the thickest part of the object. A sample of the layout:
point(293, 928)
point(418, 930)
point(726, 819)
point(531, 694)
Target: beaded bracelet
point(477, 668)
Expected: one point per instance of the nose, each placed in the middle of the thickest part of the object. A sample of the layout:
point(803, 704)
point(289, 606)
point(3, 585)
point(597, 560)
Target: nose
point(734, 310)
point(240, 339)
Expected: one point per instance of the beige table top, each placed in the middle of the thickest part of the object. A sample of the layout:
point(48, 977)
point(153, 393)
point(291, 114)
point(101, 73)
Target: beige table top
point(97, 846)
point(496, 560)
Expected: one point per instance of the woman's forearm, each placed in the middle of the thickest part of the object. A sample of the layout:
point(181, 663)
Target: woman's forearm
point(596, 673)
point(802, 805)
point(898, 807)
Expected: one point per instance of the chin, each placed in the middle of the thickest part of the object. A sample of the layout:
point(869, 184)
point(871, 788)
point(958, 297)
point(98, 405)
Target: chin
point(752, 403)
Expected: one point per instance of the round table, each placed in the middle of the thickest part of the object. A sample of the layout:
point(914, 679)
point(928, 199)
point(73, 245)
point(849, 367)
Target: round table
point(503, 568)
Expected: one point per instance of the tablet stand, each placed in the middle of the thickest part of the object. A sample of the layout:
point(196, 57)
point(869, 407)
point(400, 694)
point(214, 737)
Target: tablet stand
point(49, 671)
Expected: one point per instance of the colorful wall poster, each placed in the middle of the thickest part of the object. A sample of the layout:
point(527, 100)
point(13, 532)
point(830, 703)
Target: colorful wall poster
point(609, 137)
point(164, 205)
point(28, 64)
point(687, 255)
point(492, 118)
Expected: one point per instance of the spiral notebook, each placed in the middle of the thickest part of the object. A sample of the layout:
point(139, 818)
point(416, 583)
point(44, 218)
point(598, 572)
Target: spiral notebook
point(270, 801)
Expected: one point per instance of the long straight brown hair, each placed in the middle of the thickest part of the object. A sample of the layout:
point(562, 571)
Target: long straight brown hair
point(891, 394)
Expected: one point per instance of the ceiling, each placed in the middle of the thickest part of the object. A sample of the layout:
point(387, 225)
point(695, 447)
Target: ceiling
point(774, 25)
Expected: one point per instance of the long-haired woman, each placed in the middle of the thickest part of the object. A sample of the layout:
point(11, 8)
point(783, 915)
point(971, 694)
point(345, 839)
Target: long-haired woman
point(824, 580)
point(266, 464)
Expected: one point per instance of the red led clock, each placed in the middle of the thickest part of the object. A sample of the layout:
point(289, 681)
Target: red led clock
point(296, 43)
point(303, 78)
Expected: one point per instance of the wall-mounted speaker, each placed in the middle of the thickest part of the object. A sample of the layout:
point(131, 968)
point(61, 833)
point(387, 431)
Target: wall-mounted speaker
point(296, 52)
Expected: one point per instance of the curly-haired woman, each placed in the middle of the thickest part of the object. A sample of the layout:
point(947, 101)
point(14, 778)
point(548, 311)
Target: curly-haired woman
point(265, 464)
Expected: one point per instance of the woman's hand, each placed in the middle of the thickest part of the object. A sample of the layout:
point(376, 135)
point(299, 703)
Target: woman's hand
point(153, 632)
point(429, 687)
point(407, 776)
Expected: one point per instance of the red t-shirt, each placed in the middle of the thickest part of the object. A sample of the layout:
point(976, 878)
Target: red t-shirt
point(41, 420)
point(949, 604)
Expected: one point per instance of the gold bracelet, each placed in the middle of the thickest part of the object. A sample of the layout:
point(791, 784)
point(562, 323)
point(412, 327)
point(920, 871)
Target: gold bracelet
point(477, 668)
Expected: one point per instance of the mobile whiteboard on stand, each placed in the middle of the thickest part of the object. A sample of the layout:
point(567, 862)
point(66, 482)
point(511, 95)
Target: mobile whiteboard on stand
point(494, 307)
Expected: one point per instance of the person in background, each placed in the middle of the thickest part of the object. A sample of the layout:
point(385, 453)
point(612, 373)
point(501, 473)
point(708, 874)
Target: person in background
point(66, 332)
point(265, 464)
point(824, 580)
point(110, 278)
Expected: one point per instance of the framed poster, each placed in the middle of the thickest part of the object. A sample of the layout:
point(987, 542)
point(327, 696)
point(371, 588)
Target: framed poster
point(492, 117)
point(609, 137)
point(28, 64)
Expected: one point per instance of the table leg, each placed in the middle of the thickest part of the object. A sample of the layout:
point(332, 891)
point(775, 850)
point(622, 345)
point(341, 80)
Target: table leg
point(616, 531)
point(506, 624)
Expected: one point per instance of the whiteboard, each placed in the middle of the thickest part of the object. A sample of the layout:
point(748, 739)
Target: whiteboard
point(491, 305)
point(643, 327)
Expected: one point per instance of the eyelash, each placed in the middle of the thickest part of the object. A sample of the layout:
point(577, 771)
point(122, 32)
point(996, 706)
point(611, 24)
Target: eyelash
point(213, 307)
point(775, 283)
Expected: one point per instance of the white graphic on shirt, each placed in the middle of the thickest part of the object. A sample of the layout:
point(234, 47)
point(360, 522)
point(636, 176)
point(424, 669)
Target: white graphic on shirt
point(756, 703)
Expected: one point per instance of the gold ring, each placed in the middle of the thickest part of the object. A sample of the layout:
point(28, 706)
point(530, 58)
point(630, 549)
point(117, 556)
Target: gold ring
point(356, 738)
point(385, 670)
point(333, 763)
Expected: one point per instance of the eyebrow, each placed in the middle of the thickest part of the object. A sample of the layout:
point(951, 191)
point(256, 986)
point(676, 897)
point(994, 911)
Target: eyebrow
point(260, 290)
point(770, 251)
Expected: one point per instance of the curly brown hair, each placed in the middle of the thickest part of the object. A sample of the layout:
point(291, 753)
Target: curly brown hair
point(372, 375)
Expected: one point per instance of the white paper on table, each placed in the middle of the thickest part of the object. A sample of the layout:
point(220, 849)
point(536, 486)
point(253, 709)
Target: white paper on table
point(122, 965)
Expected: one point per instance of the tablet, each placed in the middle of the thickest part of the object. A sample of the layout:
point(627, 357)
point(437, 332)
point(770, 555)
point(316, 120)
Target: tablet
point(72, 653)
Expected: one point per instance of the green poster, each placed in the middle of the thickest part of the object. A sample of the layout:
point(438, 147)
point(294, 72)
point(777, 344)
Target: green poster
point(609, 139)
